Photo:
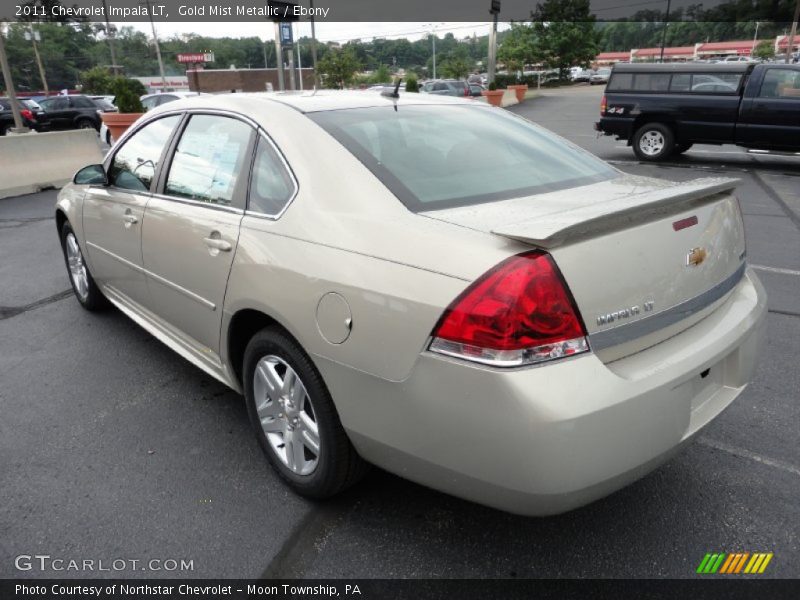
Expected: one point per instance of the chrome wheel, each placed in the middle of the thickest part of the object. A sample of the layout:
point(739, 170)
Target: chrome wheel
point(286, 414)
point(77, 268)
point(652, 142)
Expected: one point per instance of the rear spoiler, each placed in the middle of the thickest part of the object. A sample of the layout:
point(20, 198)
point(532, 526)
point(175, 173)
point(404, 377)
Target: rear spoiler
point(603, 217)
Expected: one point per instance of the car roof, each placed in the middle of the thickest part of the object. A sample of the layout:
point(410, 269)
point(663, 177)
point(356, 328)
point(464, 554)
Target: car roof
point(732, 67)
point(314, 101)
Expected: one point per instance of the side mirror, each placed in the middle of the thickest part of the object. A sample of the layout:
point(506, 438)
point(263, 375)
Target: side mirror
point(93, 174)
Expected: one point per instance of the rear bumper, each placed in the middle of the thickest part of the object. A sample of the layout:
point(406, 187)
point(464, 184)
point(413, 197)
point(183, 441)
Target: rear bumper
point(620, 127)
point(547, 439)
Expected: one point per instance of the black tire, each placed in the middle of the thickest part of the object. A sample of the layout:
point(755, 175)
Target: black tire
point(338, 464)
point(86, 124)
point(4, 127)
point(94, 299)
point(681, 148)
point(108, 138)
point(656, 138)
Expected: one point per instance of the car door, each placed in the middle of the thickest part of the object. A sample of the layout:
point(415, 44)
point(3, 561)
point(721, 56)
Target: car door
point(113, 214)
point(191, 227)
point(771, 119)
point(57, 112)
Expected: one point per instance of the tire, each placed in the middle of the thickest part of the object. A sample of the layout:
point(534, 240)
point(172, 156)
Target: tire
point(4, 127)
point(305, 407)
point(108, 137)
point(85, 124)
point(653, 142)
point(681, 148)
point(83, 284)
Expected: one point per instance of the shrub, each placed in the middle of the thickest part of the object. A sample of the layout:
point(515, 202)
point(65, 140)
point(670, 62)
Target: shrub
point(412, 85)
point(126, 95)
point(492, 86)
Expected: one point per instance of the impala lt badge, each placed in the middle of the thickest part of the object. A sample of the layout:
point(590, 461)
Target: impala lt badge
point(695, 257)
point(625, 313)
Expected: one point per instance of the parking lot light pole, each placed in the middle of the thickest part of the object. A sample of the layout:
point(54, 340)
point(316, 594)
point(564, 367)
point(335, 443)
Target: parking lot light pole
point(664, 35)
point(494, 10)
point(12, 94)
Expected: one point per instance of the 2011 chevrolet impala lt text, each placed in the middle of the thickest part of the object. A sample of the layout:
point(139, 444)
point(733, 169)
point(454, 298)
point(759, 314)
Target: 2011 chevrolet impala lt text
point(436, 287)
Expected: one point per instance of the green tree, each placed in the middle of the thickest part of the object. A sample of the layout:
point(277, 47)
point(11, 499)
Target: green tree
point(381, 75)
point(565, 34)
point(764, 50)
point(455, 67)
point(519, 48)
point(96, 81)
point(338, 67)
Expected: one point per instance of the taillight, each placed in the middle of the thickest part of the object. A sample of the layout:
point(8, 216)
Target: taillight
point(466, 91)
point(518, 313)
point(603, 106)
point(26, 114)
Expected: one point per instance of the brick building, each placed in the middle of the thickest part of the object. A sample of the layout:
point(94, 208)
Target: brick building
point(242, 80)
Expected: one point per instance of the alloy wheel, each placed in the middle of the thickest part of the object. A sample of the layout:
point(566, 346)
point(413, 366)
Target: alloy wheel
point(286, 414)
point(651, 143)
point(77, 268)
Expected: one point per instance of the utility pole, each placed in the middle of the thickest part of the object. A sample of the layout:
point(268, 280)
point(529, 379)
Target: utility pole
point(664, 35)
point(790, 41)
point(494, 10)
point(313, 45)
point(434, 53)
point(110, 38)
point(266, 65)
point(12, 94)
point(755, 41)
point(158, 48)
point(33, 35)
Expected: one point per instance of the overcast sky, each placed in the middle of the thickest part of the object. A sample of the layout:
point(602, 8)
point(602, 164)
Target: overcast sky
point(330, 31)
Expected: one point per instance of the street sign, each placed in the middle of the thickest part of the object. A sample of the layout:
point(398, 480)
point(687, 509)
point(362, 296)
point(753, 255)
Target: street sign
point(286, 33)
point(195, 57)
point(495, 8)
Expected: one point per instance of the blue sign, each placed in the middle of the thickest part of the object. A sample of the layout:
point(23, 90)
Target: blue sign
point(286, 33)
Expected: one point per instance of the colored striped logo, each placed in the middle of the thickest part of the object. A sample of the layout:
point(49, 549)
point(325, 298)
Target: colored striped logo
point(734, 563)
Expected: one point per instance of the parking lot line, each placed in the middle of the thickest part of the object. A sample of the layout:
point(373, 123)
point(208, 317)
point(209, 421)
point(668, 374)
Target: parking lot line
point(743, 453)
point(776, 270)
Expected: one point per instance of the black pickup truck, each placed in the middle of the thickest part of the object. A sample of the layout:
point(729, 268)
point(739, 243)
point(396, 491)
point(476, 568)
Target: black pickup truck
point(662, 109)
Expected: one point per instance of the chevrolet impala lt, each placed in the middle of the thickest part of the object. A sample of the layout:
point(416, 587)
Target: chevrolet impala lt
point(430, 285)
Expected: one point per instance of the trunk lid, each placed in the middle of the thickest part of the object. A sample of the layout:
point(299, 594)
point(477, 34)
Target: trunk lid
point(643, 258)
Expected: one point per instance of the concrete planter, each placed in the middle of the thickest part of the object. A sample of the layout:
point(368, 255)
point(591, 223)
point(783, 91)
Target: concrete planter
point(519, 90)
point(118, 123)
point(494, 97)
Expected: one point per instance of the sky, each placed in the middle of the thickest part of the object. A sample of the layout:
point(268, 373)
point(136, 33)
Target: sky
point(326, 31)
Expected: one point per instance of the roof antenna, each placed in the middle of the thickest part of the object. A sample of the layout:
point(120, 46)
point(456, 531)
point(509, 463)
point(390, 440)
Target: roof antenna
point(393, 93)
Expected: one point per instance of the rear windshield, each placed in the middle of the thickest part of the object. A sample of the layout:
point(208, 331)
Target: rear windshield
point(440, 156)
point(681, 83)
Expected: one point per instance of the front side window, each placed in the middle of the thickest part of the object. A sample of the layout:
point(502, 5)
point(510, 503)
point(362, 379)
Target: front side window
point(135, 163)
point(271, 186)
point(780, 83)
point(209, 160)
point(56, 104)
point(434, 157)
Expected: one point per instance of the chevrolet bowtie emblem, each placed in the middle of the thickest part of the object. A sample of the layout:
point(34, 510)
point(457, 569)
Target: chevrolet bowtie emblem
point(696, 256)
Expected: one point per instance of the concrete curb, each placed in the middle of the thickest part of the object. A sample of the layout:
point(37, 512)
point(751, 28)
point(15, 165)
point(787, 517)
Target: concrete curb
point(31, 162)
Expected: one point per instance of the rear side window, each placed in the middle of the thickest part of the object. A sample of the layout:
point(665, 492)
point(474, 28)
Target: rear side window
point(440, 156)
point(271, 185)
point(81, 102)
point(135, 163)
point(209, 160)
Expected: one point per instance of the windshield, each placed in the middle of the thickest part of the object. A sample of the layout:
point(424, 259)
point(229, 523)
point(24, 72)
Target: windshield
point(440, 156)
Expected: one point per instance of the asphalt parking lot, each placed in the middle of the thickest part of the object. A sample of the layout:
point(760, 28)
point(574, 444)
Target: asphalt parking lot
point(112, 446)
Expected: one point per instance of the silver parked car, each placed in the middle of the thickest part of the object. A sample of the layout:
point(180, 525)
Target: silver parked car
point(523, 326)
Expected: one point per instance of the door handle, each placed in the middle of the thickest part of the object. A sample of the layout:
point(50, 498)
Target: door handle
point(128, 218)
point(218, 244)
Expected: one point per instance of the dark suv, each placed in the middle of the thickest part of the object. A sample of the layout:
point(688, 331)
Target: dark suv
point(72, 112)
point(29, 110)
point(446, 87)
